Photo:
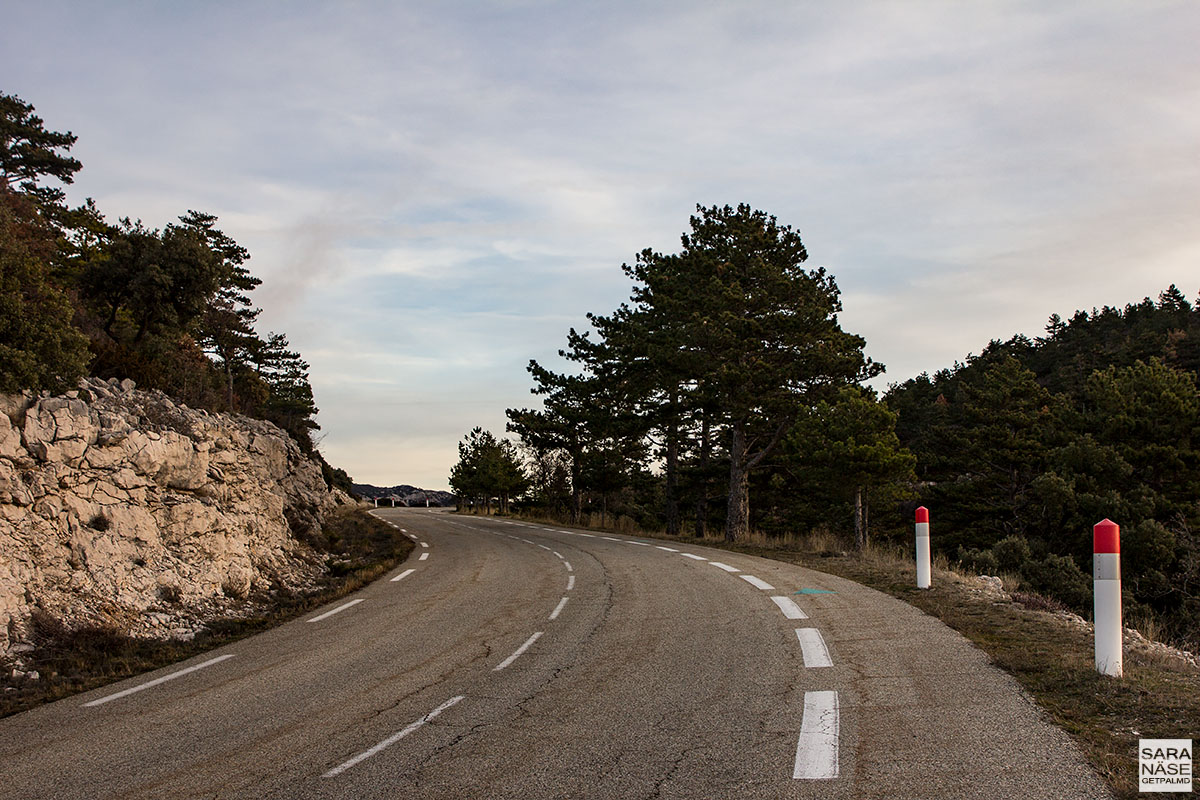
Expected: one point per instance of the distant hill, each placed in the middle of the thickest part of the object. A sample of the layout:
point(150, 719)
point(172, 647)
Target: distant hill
point(404, 495)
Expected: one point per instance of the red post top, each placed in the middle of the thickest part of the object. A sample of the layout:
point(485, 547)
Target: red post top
point(922, 514)
point(1106, 537)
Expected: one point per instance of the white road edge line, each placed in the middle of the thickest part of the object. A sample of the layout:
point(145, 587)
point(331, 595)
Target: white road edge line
point(813, 648)
point(528, 643)
point(570, 582)
point(725, 567)
point(391, 740)
point(423, 556)
point(558, 608)
point(668, 549)
point(817, 749)
point(399, 577)
point(424, 544)
point(694, 556)
point(567, 564)
point(157, 681)
point(789, 608)
point(757, 582)
point(342, 607)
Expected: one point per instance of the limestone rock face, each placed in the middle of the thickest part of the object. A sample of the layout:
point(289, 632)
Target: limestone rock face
point(118, 506)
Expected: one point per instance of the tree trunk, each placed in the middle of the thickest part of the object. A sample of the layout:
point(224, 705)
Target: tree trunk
point(702, 494)
point(576, 490)
point(672, 499)
point(229, 383)
point(737, 520)
point(860, 520)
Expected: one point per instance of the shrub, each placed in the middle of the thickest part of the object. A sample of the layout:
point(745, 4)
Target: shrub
point(1061, 578)
point(981, 562)
point(1011, 553)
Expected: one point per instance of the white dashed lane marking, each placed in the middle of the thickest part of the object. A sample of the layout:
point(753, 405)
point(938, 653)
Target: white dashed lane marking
point(817, 750)
point(528, 643)
point(812, 647)
point(693, 556)
point(725, 567)
point(789, 608)
point(337, 610)
point(558, 608)
point(758, 582)
point(399, 577)
point(391, 740)
point(157, 681)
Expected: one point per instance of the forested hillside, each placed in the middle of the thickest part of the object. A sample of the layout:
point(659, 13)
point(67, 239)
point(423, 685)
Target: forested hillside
point(726, 394)
point(168, 307)
point(1021, 449)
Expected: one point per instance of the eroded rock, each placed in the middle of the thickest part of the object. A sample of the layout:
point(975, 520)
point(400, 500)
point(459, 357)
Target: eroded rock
point(119, 507)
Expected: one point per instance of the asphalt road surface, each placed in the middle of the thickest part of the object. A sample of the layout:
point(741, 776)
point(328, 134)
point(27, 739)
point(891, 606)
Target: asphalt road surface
point(510, 660)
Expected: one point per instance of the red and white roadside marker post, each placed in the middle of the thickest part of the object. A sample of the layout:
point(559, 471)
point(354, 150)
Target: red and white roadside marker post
point(1106, 582)
point(923, 567)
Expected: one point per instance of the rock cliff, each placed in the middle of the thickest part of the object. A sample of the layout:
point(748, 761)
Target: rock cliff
point(120, 507)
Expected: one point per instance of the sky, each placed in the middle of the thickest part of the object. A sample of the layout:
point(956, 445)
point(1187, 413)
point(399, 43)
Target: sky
point(435, 192)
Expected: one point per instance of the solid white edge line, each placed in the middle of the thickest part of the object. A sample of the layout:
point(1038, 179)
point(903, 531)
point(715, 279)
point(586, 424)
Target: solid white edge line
point(570, 582)
point(391, 740)
point(157, 681)
point(789, 608)
point(340, 608)
point(423, 556)
point(558, 608)
point(758, 582)
point(399, 577)
point(693, 556)
point(817, 748)
point(725, 567)
point(528, 643)
point(813, 648)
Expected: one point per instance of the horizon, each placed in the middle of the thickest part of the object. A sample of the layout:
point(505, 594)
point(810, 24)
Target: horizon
point(433, 194)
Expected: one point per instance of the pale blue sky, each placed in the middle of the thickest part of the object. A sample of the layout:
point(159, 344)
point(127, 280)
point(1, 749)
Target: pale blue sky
point(434, 192)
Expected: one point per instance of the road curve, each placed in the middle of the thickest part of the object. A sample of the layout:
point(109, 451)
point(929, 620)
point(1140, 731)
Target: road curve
point(512, 660)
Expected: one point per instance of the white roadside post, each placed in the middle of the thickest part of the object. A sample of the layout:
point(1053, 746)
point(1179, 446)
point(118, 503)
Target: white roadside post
point(923, 568)
point(1106, 582)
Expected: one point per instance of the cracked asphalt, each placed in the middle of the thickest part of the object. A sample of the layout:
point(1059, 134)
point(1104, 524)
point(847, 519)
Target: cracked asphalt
point(662, 677)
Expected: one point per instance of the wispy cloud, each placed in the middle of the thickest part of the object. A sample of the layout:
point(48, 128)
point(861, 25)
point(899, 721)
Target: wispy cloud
point(434, 192)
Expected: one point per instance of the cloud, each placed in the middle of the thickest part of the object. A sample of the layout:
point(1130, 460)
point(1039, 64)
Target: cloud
point(434, 192)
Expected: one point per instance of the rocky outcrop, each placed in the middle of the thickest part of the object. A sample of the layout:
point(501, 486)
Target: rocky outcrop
point(120, 507)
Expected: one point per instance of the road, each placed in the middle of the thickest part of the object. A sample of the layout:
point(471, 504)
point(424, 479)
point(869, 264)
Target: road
point(512, 660)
